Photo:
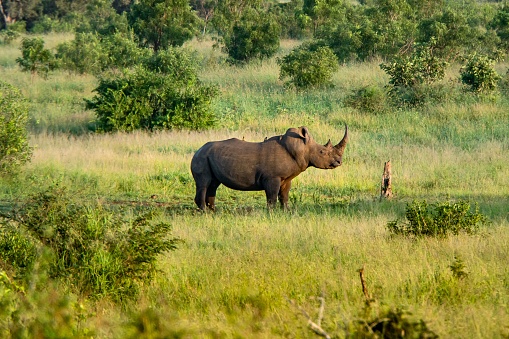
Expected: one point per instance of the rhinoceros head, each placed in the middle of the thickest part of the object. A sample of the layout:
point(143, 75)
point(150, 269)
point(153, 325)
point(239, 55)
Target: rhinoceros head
point(307, 152)
point(329, 156)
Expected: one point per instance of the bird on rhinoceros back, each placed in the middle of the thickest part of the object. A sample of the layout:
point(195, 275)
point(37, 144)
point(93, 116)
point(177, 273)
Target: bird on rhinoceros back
point(266, 166)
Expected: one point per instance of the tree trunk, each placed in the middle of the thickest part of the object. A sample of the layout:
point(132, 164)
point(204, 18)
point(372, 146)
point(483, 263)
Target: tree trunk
point(3, 17)
point(386, 187)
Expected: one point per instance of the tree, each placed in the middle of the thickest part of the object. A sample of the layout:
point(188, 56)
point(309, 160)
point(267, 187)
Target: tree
point(309, 65)
point(228, 13)
point(255, 36)
point(35, 58)
point(20, 10)
point(14, 148)
point(452, 32)
point(102, 18)
point(205, 10)
point(159, 24)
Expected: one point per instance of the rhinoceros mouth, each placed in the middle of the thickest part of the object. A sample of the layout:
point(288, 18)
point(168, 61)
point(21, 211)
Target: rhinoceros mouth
point(335, 164)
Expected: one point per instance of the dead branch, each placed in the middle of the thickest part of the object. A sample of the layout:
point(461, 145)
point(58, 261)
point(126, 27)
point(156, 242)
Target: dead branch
point(386, 186)
point(364, 285)
point(314, 326)
point(369, 300)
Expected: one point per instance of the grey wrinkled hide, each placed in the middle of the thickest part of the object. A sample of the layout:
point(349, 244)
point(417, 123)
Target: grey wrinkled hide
point(255, 166)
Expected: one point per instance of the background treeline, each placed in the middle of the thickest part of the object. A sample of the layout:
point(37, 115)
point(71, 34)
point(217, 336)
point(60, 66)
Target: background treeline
point(353, 29)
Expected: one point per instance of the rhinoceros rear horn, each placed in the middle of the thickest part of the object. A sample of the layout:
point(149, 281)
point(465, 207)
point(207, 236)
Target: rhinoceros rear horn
point(342, 144)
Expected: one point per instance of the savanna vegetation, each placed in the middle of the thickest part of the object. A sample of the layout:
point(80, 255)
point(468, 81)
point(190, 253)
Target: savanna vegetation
point(103, 108)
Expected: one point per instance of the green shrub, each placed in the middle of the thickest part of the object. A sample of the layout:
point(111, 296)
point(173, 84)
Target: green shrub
point(144, 99)
point(479, 74)
point(412, 76)
point(309, 65)
point(438, 220)
point(391, 323)
point(47, 24)
point(254, 36)
point(40, 311)
point(82, 55)
point(18, 249)
point(91, 249)
point(8, 36)
point(93, 54)
point(14, 148)
point(420, 94)
point(458, 268)
point(368, 99)
point(18, 26)
point(36, 59)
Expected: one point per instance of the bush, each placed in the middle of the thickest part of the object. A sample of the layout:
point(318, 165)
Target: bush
point(39, 311)
point(93, 54)
point(309, 65)
point(91, 249)
point(36, 59)
point(254, 36)
point(8, 36)
point(392, 323)
point(14, 148)
point(412, 76)
point(479, 74)
point(368, 99)
point(145, 99)
point(438, 220)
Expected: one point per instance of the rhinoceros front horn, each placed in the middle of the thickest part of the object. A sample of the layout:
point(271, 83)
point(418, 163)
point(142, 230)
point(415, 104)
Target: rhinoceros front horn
point(342, 144)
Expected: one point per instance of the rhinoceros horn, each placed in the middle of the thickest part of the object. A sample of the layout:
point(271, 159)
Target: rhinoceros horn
point(342, 144)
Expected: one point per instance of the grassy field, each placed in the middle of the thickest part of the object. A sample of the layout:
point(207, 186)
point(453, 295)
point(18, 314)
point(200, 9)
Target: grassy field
point(237, 269)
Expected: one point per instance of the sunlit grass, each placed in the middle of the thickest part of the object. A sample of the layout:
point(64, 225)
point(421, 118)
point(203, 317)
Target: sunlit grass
point(237, 267)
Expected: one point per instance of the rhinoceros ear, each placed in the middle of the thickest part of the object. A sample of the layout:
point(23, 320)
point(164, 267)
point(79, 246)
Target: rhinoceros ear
point(304, 133)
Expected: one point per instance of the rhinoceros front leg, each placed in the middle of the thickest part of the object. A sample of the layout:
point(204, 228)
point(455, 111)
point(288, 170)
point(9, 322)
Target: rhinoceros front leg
point(283, 194)
point(272, 187)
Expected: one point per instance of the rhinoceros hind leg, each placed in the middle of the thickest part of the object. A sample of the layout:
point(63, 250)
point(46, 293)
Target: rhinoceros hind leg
point(199, 198)
point(211, 194)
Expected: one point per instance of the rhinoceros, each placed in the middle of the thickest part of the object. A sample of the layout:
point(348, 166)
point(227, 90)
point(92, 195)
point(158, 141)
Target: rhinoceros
point(266, 166)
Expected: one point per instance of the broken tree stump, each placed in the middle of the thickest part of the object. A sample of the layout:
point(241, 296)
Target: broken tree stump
point(386, 187)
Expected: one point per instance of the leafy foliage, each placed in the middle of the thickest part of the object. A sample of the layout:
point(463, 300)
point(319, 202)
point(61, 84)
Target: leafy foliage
point(160, 24)
point(90, 248)
point(392, 323)
point(438, 220)
point(309, 65)
point(458, 268)
point(165, 94)
point(422, 66)
point(14, 148)
point(411, 76)
point(255, 36)
point(451, 32)
point(368, 99)
point(92, 53)
point(8, 36)
point(479, 74)
point(35, 58)
point(82, 55)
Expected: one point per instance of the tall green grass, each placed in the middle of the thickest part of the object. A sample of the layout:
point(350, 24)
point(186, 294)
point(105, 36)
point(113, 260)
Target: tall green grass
point(237, 268)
